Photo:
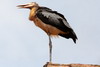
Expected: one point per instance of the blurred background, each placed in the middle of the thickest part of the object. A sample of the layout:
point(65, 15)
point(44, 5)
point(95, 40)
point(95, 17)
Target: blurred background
point(22, 44)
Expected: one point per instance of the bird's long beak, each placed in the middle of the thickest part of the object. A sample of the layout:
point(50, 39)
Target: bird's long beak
point(23, 6)
point(28, 5)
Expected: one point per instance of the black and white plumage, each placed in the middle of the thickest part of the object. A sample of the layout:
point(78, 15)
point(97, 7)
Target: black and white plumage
point(52, 22)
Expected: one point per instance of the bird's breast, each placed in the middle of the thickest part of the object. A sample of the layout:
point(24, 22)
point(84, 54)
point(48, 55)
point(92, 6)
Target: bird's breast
point(47, 28)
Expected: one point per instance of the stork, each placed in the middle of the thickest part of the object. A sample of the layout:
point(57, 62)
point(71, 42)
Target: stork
point(52, 22)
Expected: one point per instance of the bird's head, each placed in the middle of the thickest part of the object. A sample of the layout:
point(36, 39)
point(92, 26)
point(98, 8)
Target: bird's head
point(29, 5)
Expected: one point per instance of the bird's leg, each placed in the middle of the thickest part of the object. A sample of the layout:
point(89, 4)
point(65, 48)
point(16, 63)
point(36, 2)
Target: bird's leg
point(50, 49)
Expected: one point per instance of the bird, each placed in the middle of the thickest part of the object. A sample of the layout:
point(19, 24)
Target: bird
point(51, 22)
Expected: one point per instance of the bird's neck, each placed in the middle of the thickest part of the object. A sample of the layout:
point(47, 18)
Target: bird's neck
point(32, 13)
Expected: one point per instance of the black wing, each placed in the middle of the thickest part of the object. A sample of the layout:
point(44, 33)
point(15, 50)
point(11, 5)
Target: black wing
point(55, 19)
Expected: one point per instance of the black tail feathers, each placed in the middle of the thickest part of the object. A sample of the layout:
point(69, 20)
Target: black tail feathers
point(70, 35)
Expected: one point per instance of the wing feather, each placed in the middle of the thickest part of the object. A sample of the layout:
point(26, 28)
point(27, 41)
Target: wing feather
point(53, 18)
point(57, 20)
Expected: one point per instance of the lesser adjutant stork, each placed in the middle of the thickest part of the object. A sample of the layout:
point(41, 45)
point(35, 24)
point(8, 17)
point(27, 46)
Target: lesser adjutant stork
point(52, 22)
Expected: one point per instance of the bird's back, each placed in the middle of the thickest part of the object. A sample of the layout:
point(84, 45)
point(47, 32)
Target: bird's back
point(57, 20)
